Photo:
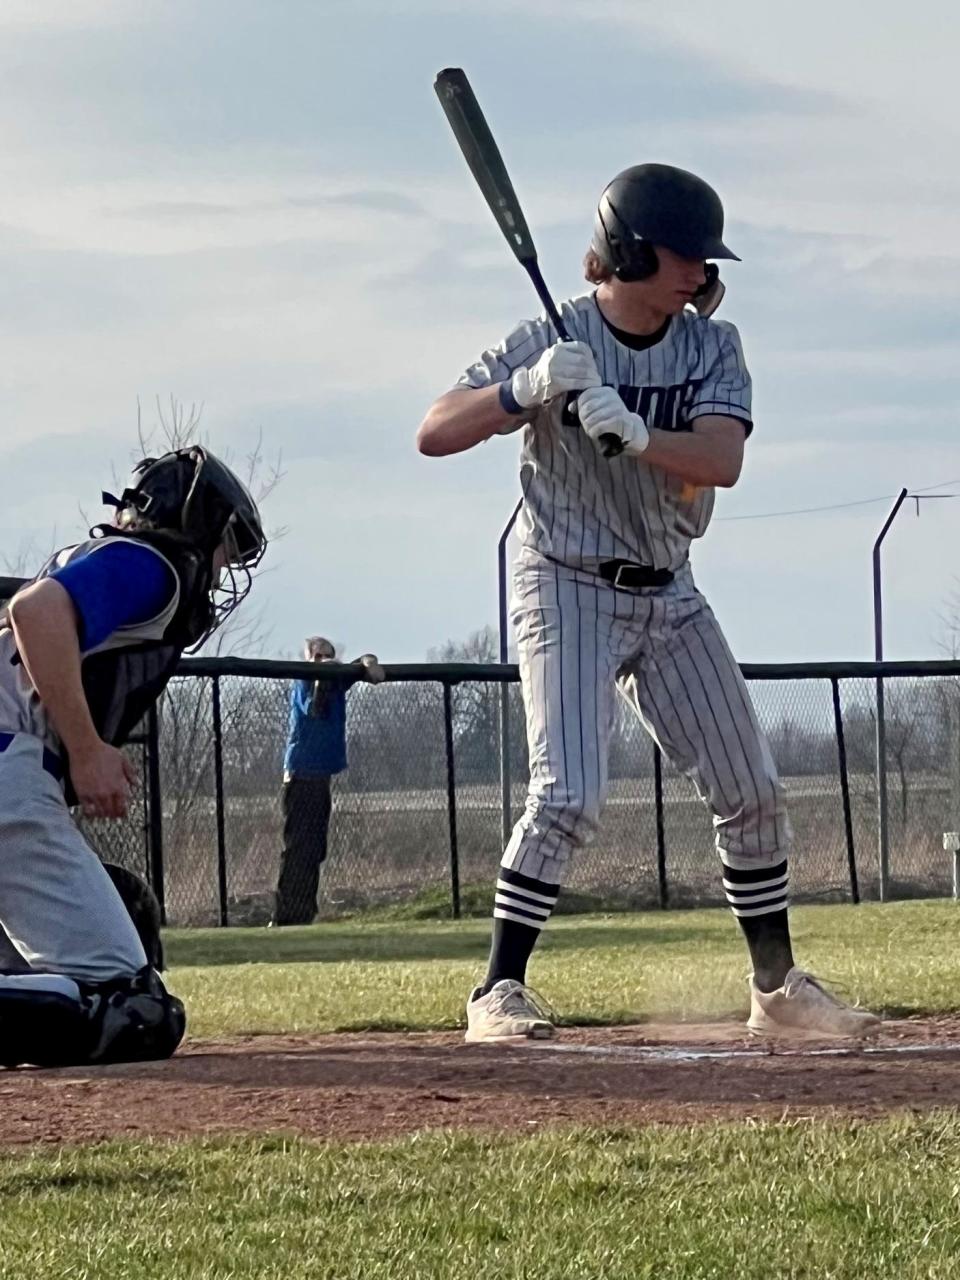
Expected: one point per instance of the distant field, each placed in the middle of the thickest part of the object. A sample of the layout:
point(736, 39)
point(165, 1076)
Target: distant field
point(389, 845)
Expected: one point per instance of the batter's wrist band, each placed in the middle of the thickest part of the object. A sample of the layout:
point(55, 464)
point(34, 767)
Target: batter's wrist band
point(508, 401)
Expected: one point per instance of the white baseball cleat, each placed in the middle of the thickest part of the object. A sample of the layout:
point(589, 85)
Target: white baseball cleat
point(803, 1006)
point(508, 1012)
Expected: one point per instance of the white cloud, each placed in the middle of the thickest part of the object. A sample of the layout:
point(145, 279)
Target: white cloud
point(70, 15)
point(205, 201)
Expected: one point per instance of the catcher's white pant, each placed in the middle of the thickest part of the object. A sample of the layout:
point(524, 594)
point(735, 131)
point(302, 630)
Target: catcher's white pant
point(579, 640)
point(58, 906)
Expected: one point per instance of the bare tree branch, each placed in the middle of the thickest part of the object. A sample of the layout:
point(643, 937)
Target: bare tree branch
point(29, 556)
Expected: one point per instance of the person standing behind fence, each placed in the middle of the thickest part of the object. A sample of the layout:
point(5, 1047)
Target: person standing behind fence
point(316, 751)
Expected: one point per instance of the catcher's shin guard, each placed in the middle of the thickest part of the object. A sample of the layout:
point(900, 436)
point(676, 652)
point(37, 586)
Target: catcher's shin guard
point(41, 1015)
point(51, 1021)
point(134, 1019)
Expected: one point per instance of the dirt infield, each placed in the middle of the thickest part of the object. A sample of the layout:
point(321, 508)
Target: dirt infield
point(380, 1085)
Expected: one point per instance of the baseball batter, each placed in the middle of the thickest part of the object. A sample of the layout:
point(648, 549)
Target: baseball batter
point(604, 598)
point(85, 651)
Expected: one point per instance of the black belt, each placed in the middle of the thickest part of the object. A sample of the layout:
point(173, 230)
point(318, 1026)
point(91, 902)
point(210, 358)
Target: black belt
point(51, 761)
point(629, 576)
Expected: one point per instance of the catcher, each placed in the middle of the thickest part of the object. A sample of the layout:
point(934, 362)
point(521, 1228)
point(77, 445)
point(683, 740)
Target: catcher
point(85, 650)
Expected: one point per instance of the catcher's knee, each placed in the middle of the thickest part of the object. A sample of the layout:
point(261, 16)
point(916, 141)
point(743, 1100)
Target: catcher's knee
point(48, 1020)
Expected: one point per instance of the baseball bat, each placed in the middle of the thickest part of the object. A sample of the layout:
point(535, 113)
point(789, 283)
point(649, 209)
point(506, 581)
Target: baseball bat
point(483, 157)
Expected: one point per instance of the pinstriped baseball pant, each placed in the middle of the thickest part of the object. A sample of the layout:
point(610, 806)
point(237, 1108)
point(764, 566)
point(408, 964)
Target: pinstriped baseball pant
point(579, 642)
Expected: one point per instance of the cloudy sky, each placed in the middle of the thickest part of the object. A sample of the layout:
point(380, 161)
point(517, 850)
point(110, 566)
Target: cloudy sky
point(258, 207)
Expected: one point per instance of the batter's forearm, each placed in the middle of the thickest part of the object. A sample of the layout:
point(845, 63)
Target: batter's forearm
point(45, 626)
point(461, 419)
point(701, 459)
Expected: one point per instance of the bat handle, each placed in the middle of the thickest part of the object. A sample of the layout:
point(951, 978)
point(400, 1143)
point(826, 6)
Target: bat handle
point(610, 445)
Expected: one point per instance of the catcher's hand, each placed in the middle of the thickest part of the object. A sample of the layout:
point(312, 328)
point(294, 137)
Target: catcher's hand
point(102, 779)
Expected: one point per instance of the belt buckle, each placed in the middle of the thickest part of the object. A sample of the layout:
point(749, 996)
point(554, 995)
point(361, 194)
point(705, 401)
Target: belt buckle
point(618, 584)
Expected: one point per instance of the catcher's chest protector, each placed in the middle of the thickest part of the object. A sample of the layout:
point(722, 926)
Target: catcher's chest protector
point(124, 677)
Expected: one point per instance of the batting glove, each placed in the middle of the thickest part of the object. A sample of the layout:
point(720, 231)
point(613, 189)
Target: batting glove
point(603, 413)
point(568, 366)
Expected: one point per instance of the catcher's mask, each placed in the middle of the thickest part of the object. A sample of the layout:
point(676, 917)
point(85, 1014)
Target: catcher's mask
point(192, 493)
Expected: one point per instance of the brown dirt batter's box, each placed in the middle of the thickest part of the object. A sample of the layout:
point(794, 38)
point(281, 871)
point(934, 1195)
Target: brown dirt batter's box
point(362, 1086)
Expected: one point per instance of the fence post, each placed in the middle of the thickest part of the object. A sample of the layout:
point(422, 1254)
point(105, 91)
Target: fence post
point(505, 805)
point(883, 822)
point(505, 789)
point(451, 800)
point(218, 795)
point(662, 888)
point(155, 810)
point(845, 790)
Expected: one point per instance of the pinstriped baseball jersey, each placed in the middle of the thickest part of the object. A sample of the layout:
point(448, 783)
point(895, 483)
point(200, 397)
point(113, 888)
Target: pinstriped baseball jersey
point(581, 508)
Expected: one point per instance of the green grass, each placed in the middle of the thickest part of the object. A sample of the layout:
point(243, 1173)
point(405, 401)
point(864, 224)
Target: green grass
point(899, 957)
point(799, 1200)
point(756, 1202)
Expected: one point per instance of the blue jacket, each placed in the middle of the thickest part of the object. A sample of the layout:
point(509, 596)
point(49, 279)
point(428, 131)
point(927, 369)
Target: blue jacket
point(317, 738)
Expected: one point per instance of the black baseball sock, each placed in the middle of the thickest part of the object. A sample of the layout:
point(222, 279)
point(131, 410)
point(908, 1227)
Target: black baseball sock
point(758, 898)
point(768, 938)
point(522, 907)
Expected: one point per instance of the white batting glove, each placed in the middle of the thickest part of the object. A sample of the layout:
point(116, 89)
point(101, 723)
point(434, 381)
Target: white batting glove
point(602, 413)
point(568, 366)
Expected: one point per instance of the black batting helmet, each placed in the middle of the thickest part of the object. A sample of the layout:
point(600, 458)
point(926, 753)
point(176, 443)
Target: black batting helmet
point(653, 204)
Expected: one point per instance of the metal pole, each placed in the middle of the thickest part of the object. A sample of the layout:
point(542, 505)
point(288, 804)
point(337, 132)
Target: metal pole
point(661, 835)
point(451, 801)
point(506, 822)
point(845, 790)
point(883, 838)
point(218, 794)
point(155, 810)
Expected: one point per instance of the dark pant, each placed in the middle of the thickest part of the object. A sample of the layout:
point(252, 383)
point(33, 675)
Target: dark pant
point(306, 817)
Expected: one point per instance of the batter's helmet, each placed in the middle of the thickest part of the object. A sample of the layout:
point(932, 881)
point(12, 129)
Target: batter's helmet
point(653, 204)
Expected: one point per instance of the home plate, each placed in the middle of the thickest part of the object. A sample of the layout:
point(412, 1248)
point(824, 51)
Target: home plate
point(783, 1048)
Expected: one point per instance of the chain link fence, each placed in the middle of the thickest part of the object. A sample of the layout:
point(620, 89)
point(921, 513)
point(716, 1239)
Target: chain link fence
point(437, 775)
point(419, 815)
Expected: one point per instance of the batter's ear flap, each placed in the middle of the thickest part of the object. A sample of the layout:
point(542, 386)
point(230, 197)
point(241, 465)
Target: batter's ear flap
point(639, 261)
point(710, 294)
